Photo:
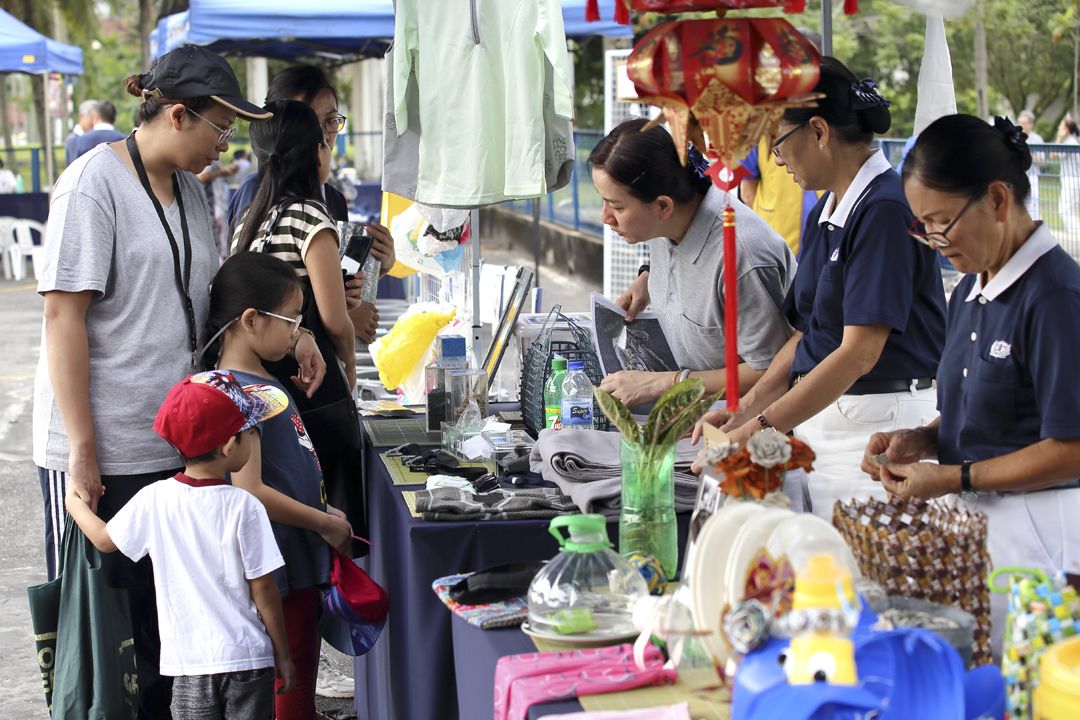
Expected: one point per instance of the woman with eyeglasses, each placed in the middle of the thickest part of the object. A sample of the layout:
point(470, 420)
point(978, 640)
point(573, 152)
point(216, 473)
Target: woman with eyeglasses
point(310, 84)
point(129, 254)
point(867, 302)
point(650, 197)
point(1008, 436)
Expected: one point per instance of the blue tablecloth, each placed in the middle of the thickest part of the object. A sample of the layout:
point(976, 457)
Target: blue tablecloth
point(410, 674)
point(475, 653)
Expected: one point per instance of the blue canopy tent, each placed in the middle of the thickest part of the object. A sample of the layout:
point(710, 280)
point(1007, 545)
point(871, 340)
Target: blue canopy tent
point(329, 29)
point(24, 49)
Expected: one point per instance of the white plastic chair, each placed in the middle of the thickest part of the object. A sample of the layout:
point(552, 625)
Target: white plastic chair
point(24, 247)
point(7, 241)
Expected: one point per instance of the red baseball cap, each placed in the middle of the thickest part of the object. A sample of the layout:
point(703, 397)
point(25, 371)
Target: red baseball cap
point(201, 412)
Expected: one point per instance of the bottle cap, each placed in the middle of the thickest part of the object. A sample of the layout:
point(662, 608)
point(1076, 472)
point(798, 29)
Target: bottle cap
point(576, 365)
point(558, 363)
point(451, 346)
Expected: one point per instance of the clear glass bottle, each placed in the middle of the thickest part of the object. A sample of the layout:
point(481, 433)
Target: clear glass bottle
point(587, 587)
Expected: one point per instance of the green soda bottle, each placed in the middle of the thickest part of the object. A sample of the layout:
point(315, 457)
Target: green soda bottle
point(553, 394)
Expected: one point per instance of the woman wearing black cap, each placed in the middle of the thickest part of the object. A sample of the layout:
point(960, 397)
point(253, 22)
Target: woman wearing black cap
point(867, 303)
point(129, 254)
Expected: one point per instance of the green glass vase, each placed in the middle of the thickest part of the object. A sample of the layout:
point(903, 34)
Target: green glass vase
point(647, 520)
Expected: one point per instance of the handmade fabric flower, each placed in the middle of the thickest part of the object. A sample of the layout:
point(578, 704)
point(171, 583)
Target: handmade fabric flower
point(769, 448)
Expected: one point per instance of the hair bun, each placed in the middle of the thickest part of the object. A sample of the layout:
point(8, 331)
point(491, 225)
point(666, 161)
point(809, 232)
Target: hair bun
point(1015, 139)
point(871, 108)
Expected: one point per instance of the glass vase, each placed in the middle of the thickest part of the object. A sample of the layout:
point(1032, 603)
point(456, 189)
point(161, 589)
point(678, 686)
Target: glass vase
point(647, 520)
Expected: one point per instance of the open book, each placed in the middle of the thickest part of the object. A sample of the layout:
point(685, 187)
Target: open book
point(639, 345)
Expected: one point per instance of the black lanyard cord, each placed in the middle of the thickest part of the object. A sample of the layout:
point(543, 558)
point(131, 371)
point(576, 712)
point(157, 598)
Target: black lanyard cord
point(183, 277)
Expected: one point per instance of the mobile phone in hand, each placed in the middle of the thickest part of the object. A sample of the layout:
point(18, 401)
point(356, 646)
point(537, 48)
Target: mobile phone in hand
point(356, 246)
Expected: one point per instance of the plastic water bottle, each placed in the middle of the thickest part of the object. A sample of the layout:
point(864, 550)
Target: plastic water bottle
point(553, 394)
point(577, 398)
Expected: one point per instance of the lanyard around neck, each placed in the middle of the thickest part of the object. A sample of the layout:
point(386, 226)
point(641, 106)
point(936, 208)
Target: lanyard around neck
point(183, 277)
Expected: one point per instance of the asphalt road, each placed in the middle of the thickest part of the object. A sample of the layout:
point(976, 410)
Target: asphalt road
point(22, 557)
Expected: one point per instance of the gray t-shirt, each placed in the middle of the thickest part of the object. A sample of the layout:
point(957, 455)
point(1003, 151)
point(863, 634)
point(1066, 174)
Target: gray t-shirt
point(686, 287)
point(104, 235)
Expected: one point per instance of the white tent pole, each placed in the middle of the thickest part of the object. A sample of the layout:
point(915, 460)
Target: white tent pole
point(826, 27)
point(474, 235)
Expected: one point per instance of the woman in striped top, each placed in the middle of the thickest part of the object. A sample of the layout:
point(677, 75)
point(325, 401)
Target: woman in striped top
point(289, 219)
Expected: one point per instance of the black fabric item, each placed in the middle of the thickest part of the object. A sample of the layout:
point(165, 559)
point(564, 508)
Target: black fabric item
point(192, 71)
point(495, 584)
point(330, 417)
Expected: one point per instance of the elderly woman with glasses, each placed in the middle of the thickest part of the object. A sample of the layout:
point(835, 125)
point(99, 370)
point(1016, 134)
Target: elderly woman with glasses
point(1008, 436)
point(867, 302)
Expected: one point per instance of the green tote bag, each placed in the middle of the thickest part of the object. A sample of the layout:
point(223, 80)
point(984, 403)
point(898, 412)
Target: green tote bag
point(93, 671)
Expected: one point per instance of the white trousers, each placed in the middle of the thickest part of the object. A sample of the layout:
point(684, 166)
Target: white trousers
point(838, 436)
point(1033, 530)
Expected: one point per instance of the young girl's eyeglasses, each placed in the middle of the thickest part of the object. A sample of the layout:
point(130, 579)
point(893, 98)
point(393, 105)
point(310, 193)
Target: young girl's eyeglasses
point(295, 322)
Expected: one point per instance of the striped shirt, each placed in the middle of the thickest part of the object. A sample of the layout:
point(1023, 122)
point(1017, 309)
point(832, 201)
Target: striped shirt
point(301, 221)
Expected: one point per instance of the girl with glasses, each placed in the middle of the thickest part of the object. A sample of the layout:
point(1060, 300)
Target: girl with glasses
point(255, 304)
point(867, 302)
point(1007, 439)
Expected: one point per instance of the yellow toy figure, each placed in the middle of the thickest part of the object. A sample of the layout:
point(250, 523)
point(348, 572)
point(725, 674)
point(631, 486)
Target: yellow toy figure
point(823, 616)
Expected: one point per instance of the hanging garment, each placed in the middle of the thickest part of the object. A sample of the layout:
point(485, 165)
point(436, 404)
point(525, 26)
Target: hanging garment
point(479, 102)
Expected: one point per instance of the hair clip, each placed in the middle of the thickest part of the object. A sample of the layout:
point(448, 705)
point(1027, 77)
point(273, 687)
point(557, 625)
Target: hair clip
point(1013, 134)
point(864, 95)
point(697, 161)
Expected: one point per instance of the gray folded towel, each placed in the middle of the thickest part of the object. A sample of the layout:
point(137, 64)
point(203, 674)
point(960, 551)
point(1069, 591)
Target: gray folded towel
point(462, 504)
point(585, 465)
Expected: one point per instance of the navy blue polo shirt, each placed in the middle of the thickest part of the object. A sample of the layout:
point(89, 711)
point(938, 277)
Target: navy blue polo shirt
point(859, 266)
point(1007, 377)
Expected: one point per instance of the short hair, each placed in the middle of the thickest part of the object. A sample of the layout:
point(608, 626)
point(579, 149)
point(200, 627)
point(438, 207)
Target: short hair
point(87, 106)
point(1026, 115)
point(208, 456)
point(240, 154)
point(106, 111)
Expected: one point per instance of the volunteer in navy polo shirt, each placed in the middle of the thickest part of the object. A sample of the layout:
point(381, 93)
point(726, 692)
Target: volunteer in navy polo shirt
point(1008, 437)
point(867, 302)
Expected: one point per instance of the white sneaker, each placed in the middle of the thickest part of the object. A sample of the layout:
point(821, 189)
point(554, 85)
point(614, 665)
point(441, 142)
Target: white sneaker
point(331, 682)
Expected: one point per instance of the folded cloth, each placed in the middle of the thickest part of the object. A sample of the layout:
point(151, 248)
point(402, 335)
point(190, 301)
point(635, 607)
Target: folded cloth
point(490, 615)
point(585, 464)
point(681, 711)
point(528, 679)
point(461, 504)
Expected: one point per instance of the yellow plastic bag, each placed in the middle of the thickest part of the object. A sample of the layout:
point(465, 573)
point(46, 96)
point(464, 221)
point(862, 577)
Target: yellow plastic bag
point(406, 345)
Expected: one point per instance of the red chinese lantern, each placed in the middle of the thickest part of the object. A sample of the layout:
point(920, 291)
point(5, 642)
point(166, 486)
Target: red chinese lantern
point(670, 7)
point(731, 78)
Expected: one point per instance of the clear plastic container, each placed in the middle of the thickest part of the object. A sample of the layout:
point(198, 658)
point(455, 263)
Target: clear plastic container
point(588, 588)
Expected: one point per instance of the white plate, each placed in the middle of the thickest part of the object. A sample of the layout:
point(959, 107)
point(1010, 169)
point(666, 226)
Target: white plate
point(709, 564)
point(592, 638)
point(747, 544)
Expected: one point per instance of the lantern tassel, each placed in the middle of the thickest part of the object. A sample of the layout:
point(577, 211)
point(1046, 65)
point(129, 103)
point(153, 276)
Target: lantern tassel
point(851, 7)
point(622, 13)
point(731, 311)
point(592, 11)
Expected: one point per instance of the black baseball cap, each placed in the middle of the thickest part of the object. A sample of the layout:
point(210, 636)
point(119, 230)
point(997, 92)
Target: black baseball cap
point(193, 71)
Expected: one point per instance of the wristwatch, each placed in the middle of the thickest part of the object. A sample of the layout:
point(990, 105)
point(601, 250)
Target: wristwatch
point(763, 422)
point(967, 492)
point(682, 375)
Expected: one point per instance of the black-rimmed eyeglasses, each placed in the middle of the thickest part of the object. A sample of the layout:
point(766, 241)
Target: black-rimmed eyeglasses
point(937, 240)
point(782, 138)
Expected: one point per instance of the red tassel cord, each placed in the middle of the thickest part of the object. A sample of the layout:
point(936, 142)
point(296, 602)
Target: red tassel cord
point(731, 312)
point(851, 7)
point(592, 11)
point(622, 13)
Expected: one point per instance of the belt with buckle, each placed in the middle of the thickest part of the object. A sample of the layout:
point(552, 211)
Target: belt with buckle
point(881, 387)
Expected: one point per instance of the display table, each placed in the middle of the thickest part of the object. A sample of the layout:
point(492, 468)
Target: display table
point(477, 651)
point(409, 675)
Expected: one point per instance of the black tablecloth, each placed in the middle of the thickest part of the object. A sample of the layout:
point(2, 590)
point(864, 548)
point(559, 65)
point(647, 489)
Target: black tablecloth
point(409, 675)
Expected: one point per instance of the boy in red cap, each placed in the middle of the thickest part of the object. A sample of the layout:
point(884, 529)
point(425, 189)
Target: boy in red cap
point(213, 552)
